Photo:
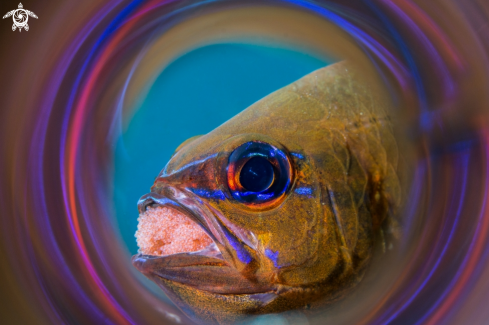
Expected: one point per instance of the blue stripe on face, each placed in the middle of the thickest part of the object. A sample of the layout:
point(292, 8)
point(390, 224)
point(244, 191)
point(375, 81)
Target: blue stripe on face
point(273, 256)
point(297, 155)
point(216, 194)
point(307, 191)
point(241, 252)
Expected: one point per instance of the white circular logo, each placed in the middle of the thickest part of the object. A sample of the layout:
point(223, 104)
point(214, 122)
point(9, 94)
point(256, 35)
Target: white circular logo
point(20, 17)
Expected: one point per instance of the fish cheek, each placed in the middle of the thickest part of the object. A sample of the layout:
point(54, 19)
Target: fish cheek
point(307, 250)
point(315, 254)
point(293, 239)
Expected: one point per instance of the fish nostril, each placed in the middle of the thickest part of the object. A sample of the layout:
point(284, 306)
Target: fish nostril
point(167, 191)
point(144, 203)
point(163, 196)
point(164, 180)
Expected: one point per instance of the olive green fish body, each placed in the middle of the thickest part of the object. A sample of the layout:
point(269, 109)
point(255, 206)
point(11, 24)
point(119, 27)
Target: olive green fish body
point(306, 239)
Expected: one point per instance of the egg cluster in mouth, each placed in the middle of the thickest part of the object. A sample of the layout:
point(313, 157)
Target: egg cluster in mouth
point(164, 231)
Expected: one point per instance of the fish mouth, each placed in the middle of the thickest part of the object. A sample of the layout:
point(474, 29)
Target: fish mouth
point(213, 268)
point(190, 210)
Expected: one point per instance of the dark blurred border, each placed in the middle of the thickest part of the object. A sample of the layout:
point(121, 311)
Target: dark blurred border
point(15, 47)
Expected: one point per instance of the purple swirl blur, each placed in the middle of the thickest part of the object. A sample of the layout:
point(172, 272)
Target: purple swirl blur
point(62, 259)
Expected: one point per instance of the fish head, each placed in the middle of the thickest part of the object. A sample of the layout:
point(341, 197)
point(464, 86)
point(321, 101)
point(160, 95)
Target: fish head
point(260, 202)
point(281, 195)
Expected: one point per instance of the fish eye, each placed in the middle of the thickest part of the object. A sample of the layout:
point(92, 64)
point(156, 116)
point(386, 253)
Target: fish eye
point(258, 173)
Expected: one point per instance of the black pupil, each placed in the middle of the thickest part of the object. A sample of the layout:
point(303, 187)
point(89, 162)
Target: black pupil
point(256, 175)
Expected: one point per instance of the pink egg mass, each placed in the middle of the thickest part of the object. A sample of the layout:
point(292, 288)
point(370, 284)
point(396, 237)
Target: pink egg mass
point(164, 231)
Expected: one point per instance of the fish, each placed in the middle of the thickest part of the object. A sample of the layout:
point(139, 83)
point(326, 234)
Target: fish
point(293, 193)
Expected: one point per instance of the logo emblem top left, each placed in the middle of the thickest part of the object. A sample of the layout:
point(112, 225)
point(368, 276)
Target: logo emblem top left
point(20, 17)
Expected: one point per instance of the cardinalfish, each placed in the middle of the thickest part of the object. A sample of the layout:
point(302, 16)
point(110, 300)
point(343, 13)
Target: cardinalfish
point(280, 207)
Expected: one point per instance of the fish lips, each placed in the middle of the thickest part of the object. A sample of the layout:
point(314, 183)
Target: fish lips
point(206, 269)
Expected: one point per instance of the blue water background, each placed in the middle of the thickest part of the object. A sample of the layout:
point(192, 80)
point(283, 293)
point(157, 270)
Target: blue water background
point(193, 95)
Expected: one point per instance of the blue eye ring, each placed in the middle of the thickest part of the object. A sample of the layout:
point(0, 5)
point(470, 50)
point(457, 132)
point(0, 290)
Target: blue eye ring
point(273, 188)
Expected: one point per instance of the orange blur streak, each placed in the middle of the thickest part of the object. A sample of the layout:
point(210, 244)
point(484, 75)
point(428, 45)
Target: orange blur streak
point(73, 138)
